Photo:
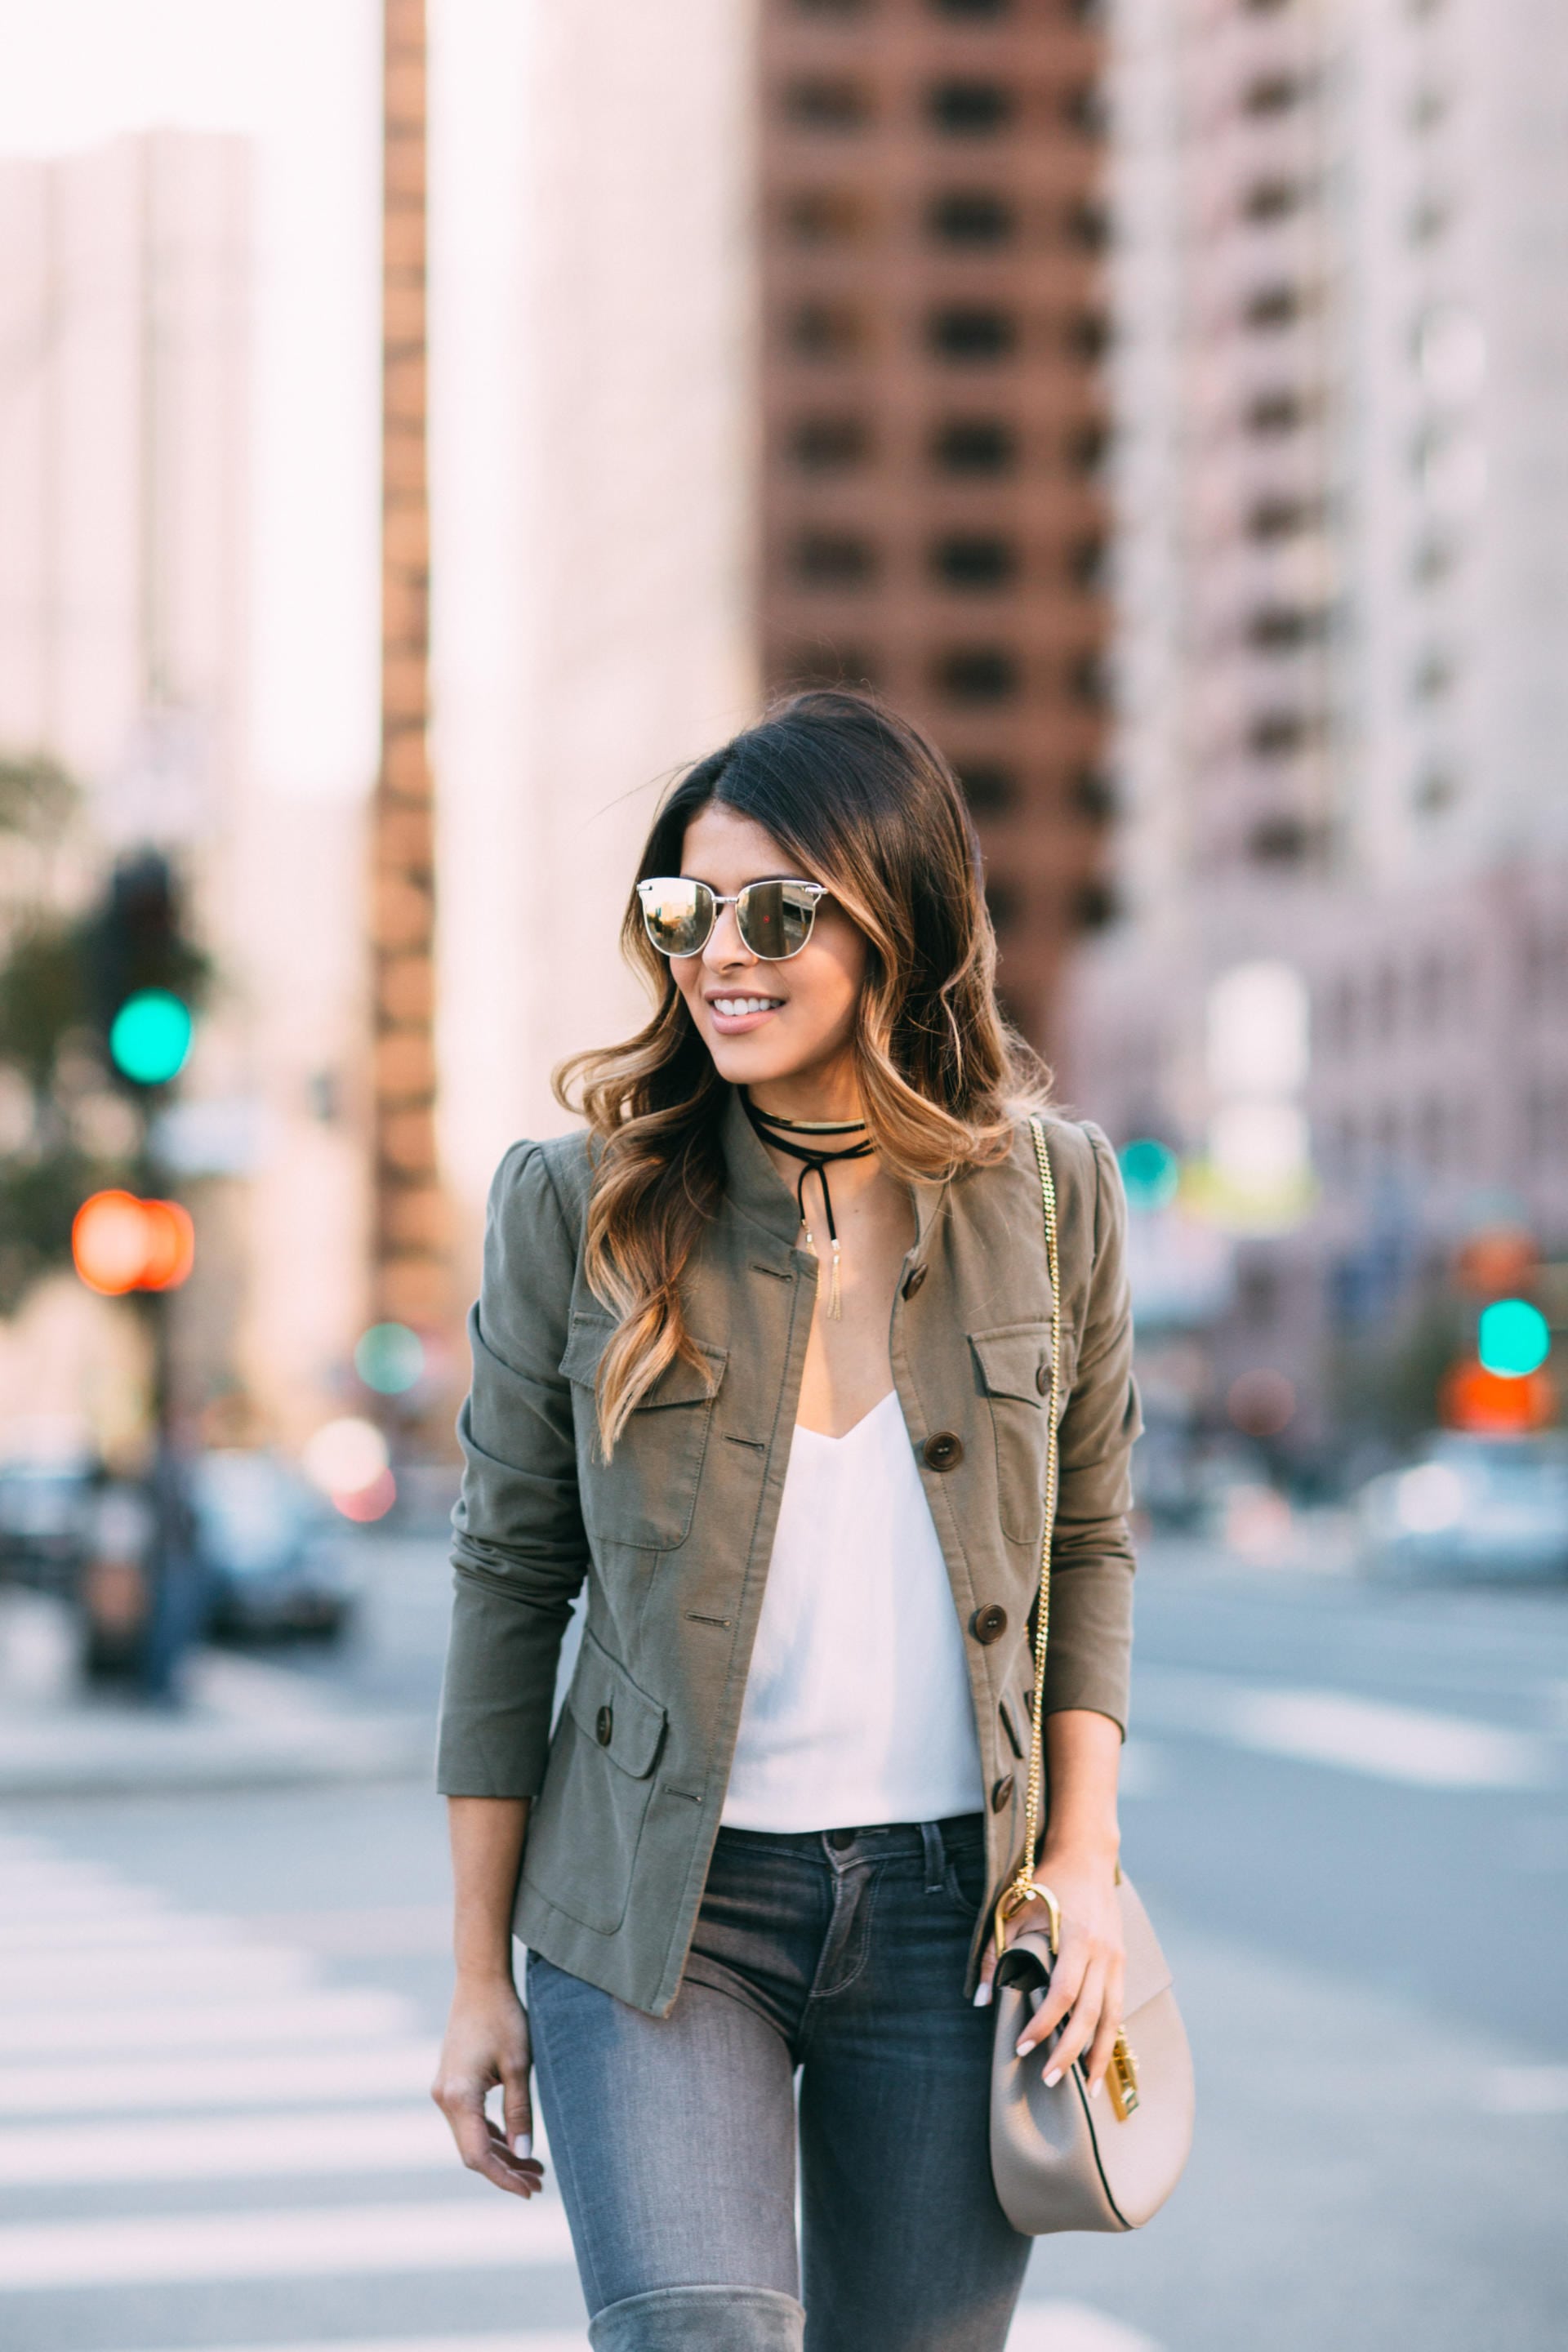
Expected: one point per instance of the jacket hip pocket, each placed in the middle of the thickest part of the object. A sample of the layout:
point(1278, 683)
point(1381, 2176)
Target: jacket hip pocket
point(586, 1826)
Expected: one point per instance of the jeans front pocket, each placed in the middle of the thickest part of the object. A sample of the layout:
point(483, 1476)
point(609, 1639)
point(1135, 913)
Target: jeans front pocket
point(964, 1879)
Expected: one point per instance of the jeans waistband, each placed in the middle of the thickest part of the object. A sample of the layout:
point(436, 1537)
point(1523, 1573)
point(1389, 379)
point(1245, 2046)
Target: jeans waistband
point(876, 1841)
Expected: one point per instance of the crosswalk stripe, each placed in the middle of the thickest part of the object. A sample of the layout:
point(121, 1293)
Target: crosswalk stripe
point(490, 2230)
point(1412, 1746)
point(381, 2071)
point(1038, 2327)
point(167, 1973)
point(357, 2012)
point(227, 2147)
point(102, 1933)
point(1072, 2327)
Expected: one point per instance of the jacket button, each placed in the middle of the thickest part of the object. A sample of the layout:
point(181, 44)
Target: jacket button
point(1001, 1792)
point(988, 1623)
point(1043, 1378)
point(945, 1451)
point(604, 1723)
point(913, 1280)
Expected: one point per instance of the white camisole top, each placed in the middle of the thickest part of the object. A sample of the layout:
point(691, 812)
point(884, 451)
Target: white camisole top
point(858, 1706)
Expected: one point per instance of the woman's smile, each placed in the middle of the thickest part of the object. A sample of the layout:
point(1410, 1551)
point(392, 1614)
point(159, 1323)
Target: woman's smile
point(733, 1014)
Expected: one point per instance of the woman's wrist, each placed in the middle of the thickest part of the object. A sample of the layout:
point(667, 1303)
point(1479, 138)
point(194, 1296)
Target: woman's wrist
point(1091, 1853)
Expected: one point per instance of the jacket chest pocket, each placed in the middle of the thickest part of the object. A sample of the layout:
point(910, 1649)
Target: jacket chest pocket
point(646, 1493)
point(1016, 1373)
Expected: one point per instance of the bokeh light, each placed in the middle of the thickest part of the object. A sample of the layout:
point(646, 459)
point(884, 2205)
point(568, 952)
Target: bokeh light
point(151, 1038)
point(1261, 1403)
point(1514, 1339)
point(346, 1459)
point(1151, 1172)
point(119, 1243)
point(389, 1358)
point(1429, 1498)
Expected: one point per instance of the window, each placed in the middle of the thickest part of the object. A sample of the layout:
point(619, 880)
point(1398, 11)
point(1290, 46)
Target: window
point(1088, 681)
point(834, 560)
point(978, 674)
point(1279, 840)
point(975, 561)
point(1273, 200)
point(1004, 904)
point(971, 216)
point(971, 8)
point(974, 445)
point(1275, 412)
point(1283, 628)
point(1437, 789)
point(1269, 308)
point(1279, 734)
point(1273, 93)
point(1434, 674)
point(1433, 560)
point(990, 790)
point(827, 330)
point(1094, 905)
point(821, 103)
point(816, 662)
point(1087, 224)
point(823, 443)
point(832, 7)
point(969, 109)
point(1086, 562)
point(1083, 109)
point(1430, 215)
point(1274, 517)
point(1087, 335)
point(1087, 446)
point(1429, 105)
point(826, 216)
point(965, 331)
point(1091, 796)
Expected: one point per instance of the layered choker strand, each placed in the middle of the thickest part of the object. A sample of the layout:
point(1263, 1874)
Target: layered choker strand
point(783, 1134)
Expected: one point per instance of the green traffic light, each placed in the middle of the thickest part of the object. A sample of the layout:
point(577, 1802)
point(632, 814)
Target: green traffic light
point(151, 1038)
point(389, 1358)
point(1514, 1340)
point(1150, 1171)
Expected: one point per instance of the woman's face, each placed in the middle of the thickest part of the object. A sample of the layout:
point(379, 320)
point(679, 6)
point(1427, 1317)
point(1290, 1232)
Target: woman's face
point(763, 1021)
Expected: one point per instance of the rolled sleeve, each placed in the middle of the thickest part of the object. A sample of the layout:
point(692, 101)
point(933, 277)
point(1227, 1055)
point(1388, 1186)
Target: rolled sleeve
point(1088, 1657)
point(519, 1553)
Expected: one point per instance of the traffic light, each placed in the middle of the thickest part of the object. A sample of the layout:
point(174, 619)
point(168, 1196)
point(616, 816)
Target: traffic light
point(121, 1242)
point(147, 976)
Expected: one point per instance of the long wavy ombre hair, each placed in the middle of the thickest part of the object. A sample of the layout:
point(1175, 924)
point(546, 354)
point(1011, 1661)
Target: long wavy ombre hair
point(859, 801)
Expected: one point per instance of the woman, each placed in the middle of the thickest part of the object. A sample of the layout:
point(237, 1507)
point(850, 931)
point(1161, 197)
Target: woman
point(763, 1358)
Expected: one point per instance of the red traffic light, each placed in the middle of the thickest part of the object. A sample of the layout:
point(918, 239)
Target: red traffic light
point(120, 1242)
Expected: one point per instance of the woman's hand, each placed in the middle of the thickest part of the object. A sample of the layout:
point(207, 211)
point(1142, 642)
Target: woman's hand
point(1086, 1980)
point(487, 2044)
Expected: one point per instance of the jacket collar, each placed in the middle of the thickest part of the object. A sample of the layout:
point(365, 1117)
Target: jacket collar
point(755, 1187)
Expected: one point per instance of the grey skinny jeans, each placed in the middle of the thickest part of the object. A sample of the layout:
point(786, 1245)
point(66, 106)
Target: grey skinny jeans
point(841, 1954)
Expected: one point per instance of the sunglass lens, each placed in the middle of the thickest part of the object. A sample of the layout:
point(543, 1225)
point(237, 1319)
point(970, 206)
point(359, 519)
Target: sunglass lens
point(677, 913)
point(775, 919)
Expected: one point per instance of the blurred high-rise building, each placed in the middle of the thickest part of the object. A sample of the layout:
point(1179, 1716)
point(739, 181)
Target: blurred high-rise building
point(1341, 316)
point(127, 284)
point(931, 288)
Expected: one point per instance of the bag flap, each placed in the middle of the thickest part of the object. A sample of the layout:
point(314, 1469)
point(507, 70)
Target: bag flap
point(635, 1721)
point(1148, 1971)
point(1016, 1360)
point(679, 1383)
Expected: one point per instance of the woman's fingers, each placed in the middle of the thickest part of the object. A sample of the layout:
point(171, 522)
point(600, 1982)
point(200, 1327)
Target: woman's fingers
point(482, 2144)
point(1067, 1976)
point(1110, 2026)
point(517, 2107)
point(1086, 2014)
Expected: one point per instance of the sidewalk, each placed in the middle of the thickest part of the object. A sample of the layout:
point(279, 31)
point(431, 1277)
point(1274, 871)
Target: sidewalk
point(245, 1724)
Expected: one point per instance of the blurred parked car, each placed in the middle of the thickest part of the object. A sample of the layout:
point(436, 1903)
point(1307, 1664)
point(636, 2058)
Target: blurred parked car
point(46, 1517)
point(1472, 1507)
point(276, 1561)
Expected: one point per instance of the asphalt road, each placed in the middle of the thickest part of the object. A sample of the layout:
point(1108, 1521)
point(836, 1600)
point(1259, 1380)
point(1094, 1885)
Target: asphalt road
point(1347, 1809)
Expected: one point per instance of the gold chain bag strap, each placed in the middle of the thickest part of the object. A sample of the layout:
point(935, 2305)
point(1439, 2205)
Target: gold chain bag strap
point(1060, 2159)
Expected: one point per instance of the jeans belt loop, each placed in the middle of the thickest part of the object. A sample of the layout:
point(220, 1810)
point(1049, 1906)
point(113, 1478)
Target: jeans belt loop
point(935, 1856)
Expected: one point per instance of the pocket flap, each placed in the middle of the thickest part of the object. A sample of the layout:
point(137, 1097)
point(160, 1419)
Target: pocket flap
point(606, 1705)
point(679, 1383)
point(1015, 1362)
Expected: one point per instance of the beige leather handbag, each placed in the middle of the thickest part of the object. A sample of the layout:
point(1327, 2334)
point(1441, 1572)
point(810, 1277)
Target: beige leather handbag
point(1060, 2159)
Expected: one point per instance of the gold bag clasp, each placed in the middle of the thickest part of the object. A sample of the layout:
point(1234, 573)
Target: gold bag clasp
point(1122, 2079)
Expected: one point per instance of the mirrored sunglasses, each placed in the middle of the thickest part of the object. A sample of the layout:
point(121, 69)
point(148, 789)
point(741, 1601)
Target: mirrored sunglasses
point(775, 919)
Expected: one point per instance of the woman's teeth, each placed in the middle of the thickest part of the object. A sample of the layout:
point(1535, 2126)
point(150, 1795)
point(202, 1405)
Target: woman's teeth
point(732, 1007)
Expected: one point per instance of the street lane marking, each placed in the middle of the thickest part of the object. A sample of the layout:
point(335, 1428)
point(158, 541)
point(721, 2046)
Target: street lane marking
point(493, 2230)
point(103, 1933)
point(1073, 2328)
point(1526, 2091)
point(381, 2071)
point(227, 2148)
point(356, 2013)
point(1405, 1744)
point(168, 1973)
point(377, 1933)
point(1038, 2327)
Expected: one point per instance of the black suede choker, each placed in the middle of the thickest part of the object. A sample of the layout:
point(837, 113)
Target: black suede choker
point(782, 1133)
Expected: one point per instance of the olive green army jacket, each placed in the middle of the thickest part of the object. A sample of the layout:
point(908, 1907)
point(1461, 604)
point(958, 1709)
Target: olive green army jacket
point(674, 1533)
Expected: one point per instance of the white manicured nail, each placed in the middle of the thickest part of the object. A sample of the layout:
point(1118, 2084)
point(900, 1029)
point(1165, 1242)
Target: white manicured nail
point(1053, 2078)
point(983, 1996)
point(525, 2144)
point(1024, 2049)
point(1095, 2089)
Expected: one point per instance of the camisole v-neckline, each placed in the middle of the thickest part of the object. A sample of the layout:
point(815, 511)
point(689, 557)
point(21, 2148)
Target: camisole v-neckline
point(855, 1428)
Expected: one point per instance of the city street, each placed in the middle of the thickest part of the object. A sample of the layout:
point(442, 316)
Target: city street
point(1347, 1807)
